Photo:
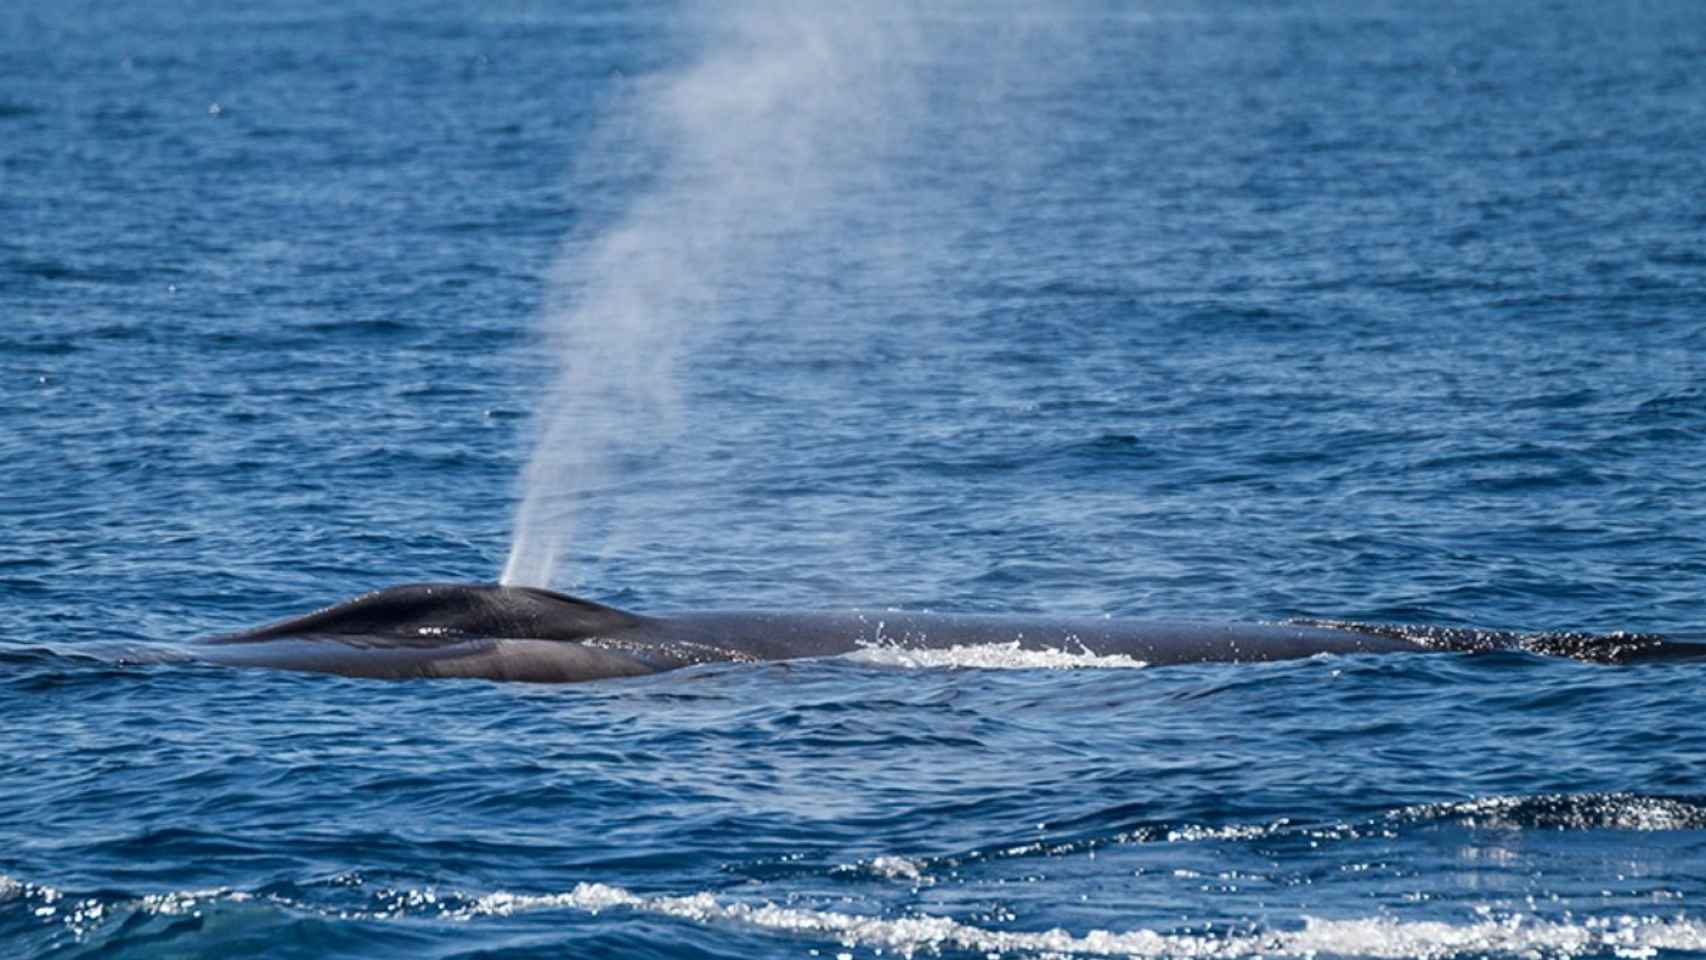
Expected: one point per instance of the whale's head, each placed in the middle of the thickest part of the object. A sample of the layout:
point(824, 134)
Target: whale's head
point(438, 612)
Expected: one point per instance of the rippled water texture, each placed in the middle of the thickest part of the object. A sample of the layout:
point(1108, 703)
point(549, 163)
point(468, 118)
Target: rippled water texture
point(1386, 313)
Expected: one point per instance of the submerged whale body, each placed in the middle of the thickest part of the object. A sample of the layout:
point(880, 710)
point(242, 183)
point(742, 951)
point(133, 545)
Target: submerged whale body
point(529, 634)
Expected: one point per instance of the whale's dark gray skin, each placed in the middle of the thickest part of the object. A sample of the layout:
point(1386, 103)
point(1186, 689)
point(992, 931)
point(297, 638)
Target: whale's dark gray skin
point(524, 633)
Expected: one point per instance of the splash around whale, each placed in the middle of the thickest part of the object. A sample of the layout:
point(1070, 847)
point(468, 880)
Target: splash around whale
point(529, 634)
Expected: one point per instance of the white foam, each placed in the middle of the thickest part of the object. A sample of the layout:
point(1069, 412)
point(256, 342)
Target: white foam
point(991, 656)
point(1382, 937)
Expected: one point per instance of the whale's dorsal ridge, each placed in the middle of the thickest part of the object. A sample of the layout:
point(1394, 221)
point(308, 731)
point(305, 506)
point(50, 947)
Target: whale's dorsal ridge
point(578, 614)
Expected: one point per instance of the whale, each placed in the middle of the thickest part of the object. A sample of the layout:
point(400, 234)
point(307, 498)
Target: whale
point(530, 634)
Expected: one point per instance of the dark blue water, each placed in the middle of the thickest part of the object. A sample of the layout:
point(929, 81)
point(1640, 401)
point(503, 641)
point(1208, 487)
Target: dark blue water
point(1232, 311)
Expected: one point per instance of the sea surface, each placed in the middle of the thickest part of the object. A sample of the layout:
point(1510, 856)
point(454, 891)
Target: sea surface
point(1383, 311)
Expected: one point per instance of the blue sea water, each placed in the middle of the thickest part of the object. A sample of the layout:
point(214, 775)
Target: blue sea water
point(1224, 310)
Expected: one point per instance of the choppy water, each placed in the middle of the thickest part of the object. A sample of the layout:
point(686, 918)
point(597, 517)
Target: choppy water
point(1231, 311)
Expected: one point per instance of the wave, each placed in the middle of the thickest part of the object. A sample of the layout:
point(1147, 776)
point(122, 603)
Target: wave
point(1101, 829)
point(1590, 811)
point(1514, 934)
point(157, 918)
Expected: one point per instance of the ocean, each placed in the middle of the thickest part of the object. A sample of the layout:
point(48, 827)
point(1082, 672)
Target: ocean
point(1229, 311)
